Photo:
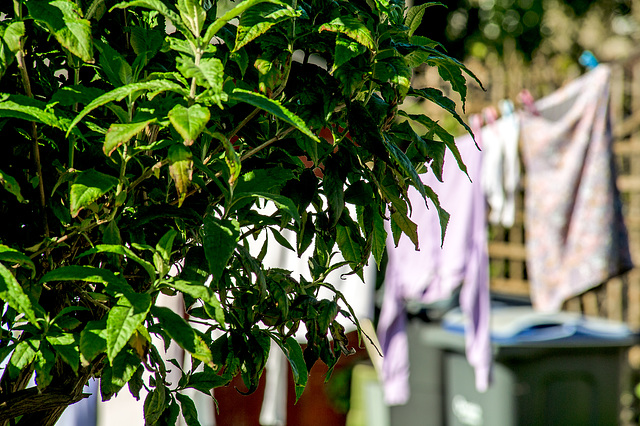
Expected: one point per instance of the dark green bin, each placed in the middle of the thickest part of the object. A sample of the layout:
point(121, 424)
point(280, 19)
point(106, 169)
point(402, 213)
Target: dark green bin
point(564, 382)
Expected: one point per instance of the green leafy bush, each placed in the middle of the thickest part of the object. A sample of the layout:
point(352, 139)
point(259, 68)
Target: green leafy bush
point(148, 134)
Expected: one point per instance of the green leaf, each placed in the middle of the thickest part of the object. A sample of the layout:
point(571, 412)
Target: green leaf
point(346, 50)
point(333, 187)
point(270, 75)
point(122, 133)
point(13, 34)
point(420, 49)
point(183, 334)
point(193, 289)
point(281, 239)
point(283, 203)
point(87, 188)
point(25, 108)
point(274, 108)
point(124, 367)
point(136, 383)
point(258, 19)
point(189, 411)
point(11, 185)
point(221, 237)
point(114, 283)
point(193, 15)
point(293, 352)
point(415, 15)
point(451, 70)
point(270, 180)
point(438, 98)
point(350, 244)
point(428, 149)
point(45, 361)
point(22, 356)
point(165, 245)
point(146, 41)
point(123, 319)
point(208, 73)
point(93, 339)
point(443, 215)
point(155, 404)
point(123, 251)
point(446, 137)
point(160, 7)
point(114, 65)
point(66, 346)
point(379, 237)
point(189, 122)
point(238, 10)
point(395, 70)
point(5, 350)
point(64, 20)
point(11, 293)
point(155, 86)
point(407, 226)
point(8, 254)
point(404, 163)
point(206, 380)
point(10, 38)
point(351, 27)
point(231, 158)
point(181, 169)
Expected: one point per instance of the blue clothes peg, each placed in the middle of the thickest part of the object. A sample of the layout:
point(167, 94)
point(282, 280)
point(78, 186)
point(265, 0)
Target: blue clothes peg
point(588, 60)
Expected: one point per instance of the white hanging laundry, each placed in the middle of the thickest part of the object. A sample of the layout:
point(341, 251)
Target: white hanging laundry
point(501, 164)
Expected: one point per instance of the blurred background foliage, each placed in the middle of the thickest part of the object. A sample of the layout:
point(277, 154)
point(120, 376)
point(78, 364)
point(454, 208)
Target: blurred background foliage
point(533, 28)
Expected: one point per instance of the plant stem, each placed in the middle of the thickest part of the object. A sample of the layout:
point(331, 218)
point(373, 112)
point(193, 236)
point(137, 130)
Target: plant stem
point(267, 143)
point(34, 137)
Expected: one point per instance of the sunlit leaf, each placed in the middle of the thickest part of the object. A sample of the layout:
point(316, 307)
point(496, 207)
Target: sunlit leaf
point(93, 339)
point(351, 27)
point(119, 134)
point(64, 20)
point(155, 86)
point(346, 49)
point(181, 169)
point(192, 14)
point(12, 293)
point(88, 187)
point(189, 122)
point(123, 319)
point(258, 19)
point(183, 334)
point(238, 10)
point(208, 73)
point(415, 15)
point(66, 346)
point(160, 7)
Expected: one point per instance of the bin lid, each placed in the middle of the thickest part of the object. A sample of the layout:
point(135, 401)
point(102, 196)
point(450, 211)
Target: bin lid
point(522, 324)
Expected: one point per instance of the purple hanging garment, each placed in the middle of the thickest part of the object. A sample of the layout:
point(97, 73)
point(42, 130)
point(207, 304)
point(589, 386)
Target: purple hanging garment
point(435, 272)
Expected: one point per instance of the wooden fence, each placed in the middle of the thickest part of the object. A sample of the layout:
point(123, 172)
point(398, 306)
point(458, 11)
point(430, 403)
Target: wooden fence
point(619, 298)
